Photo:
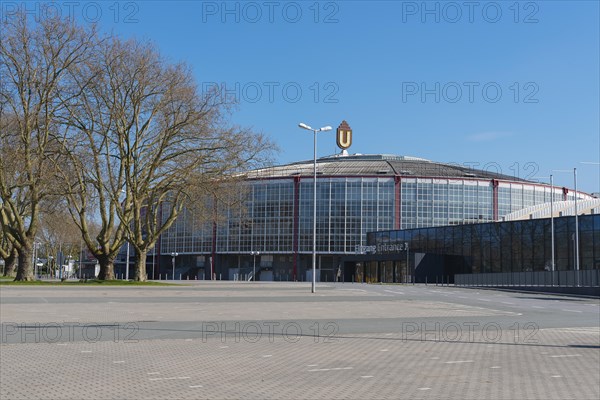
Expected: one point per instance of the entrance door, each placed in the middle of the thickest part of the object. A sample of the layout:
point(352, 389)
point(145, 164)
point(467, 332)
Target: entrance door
point(387, 271)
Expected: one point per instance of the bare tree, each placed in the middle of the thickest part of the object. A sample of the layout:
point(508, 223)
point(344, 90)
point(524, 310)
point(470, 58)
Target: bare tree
point(58, 234)
point(8, 253)
point(142, 141)
point(34, 59)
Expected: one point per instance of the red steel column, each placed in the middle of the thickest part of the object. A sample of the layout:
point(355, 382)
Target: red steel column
point(397, 201)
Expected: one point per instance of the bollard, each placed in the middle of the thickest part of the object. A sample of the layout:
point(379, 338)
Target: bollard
point(179, 276)
point(160, 277)
point(425, 280)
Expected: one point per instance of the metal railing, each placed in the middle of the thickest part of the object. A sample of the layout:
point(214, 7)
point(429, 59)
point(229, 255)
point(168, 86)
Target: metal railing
point(583, 278)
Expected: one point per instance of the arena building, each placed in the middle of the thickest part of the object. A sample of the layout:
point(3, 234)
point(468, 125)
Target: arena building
point(356, 194)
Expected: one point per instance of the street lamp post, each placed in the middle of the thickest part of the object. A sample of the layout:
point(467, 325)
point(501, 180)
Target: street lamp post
point(552, 223)
point(173, 255)
point(576, 234)
point(127, 264)
point(254, 254)
point(314, 252)
point(576, 229)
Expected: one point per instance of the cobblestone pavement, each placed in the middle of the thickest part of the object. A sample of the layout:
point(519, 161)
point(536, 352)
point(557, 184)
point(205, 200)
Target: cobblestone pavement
point(225, 340)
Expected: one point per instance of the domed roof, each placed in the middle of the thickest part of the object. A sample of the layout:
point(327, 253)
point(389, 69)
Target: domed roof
point(376, 165)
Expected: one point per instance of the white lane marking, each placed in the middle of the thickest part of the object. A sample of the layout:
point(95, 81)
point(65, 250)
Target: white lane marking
point(86, 351)
point(359, 290)
point(268, 355)
point(537, 307)
point(571, 310)
point(495, 367)
point(312, 365)
point(367, 376)
point(566, 355)
point(329, 369)
point(392, 291)
point(588, 330)
point(196, 386)
point(424, 388)
point(556, 376)
point(506, 302)
point(153, 373)
point(224, 347)
point(118, 362)
point(61, 344)
point(434, 358)
point(383, 350)
point(170, 379)
point(458, 362)
point(483, 300)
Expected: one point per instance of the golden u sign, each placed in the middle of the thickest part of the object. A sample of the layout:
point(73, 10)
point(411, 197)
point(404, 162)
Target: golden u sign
point(344, 136)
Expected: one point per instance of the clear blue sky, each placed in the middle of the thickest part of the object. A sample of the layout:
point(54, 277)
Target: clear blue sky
point(371, 60)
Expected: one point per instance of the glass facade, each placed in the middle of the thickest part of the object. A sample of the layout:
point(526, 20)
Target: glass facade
point(274, 215)
point(439, 202)
point(516, 196)
point(347, 208)
point(516, 246)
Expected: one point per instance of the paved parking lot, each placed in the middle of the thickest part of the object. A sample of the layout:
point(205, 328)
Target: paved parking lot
point(278, 340)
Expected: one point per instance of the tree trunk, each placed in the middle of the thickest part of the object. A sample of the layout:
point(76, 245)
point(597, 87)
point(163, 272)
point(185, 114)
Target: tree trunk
point(140, 266)
point(25, 267)
point(10, 263)
point(107, 268)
